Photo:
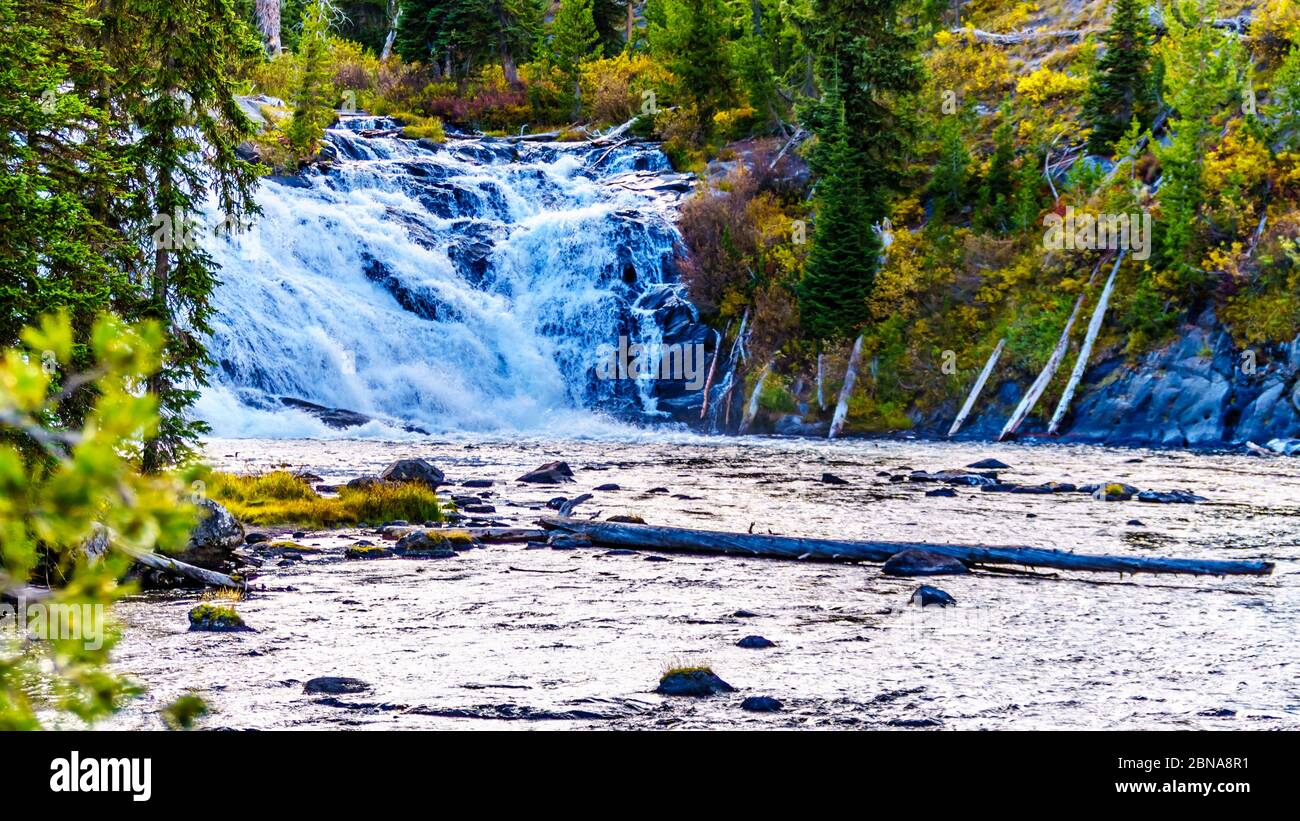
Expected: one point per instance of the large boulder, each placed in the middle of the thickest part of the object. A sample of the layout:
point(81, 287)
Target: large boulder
point(414, 470)
point(214, 539)
point(551, 473)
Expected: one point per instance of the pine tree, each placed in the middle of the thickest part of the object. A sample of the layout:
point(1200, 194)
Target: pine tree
point(1201, 75)
point(845, 254)
point(573, 39)
point(313, 97)
point(993, 204)
point(182, 125)
point(1121, 87)
point(947, 188)
point(56, 248)
point(864, 47)
point(690, 37)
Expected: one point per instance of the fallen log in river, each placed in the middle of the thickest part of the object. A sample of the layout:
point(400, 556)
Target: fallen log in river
point(653, 537)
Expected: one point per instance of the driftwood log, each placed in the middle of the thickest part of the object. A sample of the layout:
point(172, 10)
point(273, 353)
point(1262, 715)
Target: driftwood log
point(611, 534)
point(158, 561)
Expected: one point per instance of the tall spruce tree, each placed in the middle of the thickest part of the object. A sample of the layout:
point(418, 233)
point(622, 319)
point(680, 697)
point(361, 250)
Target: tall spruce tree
point(862, 46)
point(56, 252)
point(1121, 87)
point(181, 125)
point(573, 39)
point(313, 95)
point(1202, 74)
point(842, 263)
point(690, 36)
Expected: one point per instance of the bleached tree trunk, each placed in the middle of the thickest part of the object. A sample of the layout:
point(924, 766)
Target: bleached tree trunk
point(751, 409)
point(979, 386)
point(850, 377)
point(268, 22)
point(1081, 364)
point(1040, 384)
point(713, 367)
point(631, 21)
point(821, 393)
point(394, 14)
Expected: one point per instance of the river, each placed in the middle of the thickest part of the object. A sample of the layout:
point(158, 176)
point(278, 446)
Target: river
point(511, 637)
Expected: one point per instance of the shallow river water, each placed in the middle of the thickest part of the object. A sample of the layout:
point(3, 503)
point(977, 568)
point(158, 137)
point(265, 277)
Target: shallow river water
point(507, 636)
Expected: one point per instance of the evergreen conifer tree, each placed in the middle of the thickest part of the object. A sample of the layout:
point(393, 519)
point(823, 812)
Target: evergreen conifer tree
point(1121, 87)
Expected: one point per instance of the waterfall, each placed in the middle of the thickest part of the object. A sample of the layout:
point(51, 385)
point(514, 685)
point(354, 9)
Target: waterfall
point(461, 286)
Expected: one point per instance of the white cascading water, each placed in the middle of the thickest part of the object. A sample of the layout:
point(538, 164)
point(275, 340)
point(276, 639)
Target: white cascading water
point(466, 286)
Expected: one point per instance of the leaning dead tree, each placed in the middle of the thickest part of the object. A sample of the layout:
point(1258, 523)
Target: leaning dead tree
point(1044, 379)
point(846, 391)
point(679, 539)
point(1085, 351)
point(977, 387)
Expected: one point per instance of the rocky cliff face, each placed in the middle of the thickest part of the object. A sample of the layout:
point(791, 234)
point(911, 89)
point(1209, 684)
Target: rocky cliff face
point(1197, 391)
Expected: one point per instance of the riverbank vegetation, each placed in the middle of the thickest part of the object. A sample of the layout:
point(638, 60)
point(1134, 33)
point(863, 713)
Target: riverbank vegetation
point(281, 498)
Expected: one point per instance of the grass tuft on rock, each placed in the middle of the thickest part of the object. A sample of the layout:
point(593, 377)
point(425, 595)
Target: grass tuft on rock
point(280, 498)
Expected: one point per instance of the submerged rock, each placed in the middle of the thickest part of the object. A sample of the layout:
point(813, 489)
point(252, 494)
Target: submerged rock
point(1172, 497)
point(698, 681)
point(755, 643)
point(421, 544)
point(954, 477)
point(989, 464)
point(335, 685)
point(926, 595)
point(551, 473)
point(367, 551)
point(609, 486)
point(216, 618)
point(941, 491)
point(832, 479)
point(627, 519)
point(922, 563)
point(762, 704)
point(1111, 492)
point(476, 483)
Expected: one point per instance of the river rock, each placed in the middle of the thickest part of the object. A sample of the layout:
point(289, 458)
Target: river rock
point(335, 685)
point(214, 538)
point(421, 544)
point(363, 482)
point(217, 619)
point(1111, 491)
point(922, 563)
point(941, 491)
point(989, 464)
point(832, 479)
point(608, 486)
point(254, 538)
point(626, 518)
point(476, 483)
point(1286, 447)
point(414, 470)
point(698, 682)
point(954, 477)
point(755, 643)
point(925, 595)
point(551, 473)
point(1171, 497)
point(762, 704)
